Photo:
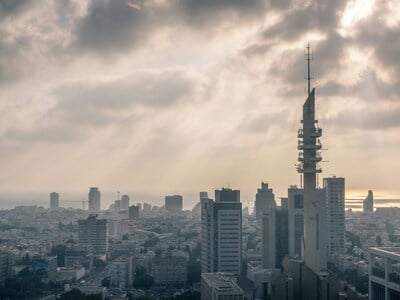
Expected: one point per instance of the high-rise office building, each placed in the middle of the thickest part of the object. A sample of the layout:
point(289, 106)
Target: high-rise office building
point(335, 197)
point(295, 204)
point(94, 199)
point(265, 199)
point(282, 229)
point(93, 234)
point(221, 232)
point(274, 238)
point(134, 212)
point(368, 204)
point(54, 201)
point(124, 205)
point(173, 203)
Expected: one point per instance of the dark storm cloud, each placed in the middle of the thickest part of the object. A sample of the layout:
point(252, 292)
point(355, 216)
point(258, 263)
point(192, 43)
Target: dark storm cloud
point(365, 86)
point(13, 63)
point(322, 15)
point(120, 25)
point(375, 34)
point(12, 7)
point(367, 119)
point(208, 12)
point(112, 26)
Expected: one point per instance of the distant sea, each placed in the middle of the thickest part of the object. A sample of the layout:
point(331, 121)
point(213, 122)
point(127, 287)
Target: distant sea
point(354, 199)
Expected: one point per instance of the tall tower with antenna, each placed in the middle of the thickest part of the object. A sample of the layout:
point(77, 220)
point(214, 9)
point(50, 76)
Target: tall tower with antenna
point(309, 147)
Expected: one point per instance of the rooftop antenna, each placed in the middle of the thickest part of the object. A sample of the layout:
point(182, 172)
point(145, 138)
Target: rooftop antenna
point(309, 57)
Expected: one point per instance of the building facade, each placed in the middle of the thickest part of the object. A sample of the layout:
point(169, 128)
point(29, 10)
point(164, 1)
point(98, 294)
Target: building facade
point(220, 286)
point(221, 232)
point(368, 203)
point(174, 203)
point(384, 273)
point(54, 201)
point(122, 272)
point(93, 234)
point(170, 268)
point(94, 199)
point(265, 199)
point(335, 205)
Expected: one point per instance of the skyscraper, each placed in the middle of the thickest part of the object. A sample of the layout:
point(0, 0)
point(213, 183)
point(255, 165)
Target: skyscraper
point(295, 205)
point(335, 195)
point(309, 157)
point(265, 199)
point(221, 232)
point(92, 234)
point(173, 203)
point(274, 238)
point(54, 200)
point(368, 204)
point(124, 205)
point(94, 199)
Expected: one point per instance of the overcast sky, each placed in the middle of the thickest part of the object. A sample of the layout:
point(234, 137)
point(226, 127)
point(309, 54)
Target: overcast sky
point(180, 96)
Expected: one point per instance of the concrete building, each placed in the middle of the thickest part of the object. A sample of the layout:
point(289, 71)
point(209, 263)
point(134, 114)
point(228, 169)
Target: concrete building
point(368, 203)
point(94, 199)
point(307, 278)
point(274, 237)
point(76, 257)
point(261, 279)
point(173, 203)
point(309, 156)
point(221, 232)
point(47, 266)
point(6, 264)
point(220, 286)
point(125, 199)
point(335, 205)
point(122, 272)
point(170, 268)
point(93, 234)
point(384, 273)
point(134, 212)
point(295, 206)
point(265, 199)
point(54, 201)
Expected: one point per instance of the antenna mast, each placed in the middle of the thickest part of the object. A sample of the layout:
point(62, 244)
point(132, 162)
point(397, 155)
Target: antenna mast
point(308, 68)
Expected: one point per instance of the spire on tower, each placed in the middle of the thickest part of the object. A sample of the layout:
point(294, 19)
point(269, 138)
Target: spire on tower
point(309, 57)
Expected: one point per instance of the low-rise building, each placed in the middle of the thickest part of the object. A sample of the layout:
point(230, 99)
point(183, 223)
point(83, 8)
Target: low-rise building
point(220, 286)
point(121, 272)
point(170, 268)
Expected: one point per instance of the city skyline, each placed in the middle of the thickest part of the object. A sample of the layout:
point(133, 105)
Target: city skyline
point(216, 106)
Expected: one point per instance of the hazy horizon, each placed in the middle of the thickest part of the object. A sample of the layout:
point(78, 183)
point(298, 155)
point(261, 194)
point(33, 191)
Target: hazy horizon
point(383, 198)
point(192, 95)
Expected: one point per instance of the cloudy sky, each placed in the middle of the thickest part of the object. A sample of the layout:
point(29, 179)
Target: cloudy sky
point(179, 96)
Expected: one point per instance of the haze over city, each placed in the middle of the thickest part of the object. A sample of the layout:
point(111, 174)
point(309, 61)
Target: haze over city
point(157, 97)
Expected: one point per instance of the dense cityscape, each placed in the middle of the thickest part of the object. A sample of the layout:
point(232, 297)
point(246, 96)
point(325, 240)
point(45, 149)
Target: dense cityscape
point(199, 150)
point(308, 247)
